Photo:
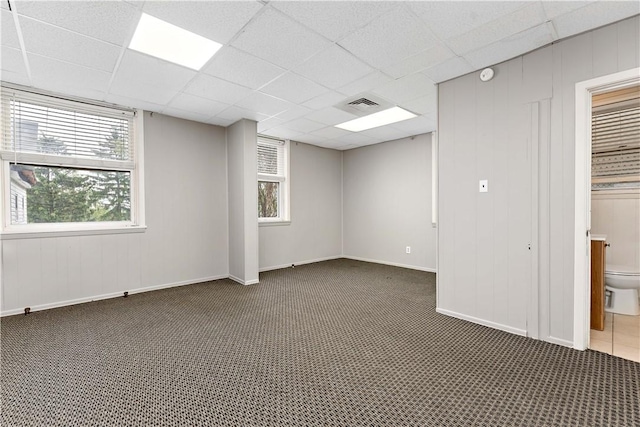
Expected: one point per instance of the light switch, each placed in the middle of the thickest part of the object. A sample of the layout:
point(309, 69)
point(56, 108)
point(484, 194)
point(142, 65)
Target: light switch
point(484, 185)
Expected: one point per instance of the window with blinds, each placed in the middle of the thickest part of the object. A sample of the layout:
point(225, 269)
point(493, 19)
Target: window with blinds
point(273, 185)
point(69, 161)
point(615, 136)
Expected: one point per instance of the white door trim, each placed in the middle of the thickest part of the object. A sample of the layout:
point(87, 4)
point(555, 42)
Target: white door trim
point(582, 248)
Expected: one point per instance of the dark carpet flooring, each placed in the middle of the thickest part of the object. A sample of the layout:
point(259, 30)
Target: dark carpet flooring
point(338, 343)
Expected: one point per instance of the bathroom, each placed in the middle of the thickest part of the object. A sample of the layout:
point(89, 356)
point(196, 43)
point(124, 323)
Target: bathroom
point(615, 217)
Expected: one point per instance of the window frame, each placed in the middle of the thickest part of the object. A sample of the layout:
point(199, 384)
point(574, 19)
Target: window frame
point(136, 169)
point(284, 180)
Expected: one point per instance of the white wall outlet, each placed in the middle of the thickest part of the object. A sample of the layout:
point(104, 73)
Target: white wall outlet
point(484, 185)
point(408, 250)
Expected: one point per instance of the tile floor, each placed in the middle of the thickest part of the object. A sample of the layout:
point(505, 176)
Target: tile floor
point(621, 337)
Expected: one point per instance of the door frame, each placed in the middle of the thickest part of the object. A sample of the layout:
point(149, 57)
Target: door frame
point(582, 209)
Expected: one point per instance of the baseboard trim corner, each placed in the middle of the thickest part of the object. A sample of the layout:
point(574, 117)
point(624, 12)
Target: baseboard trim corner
point(482, 322)
point(309, 261)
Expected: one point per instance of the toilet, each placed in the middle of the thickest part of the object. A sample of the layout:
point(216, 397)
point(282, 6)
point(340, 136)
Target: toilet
point(622, 285)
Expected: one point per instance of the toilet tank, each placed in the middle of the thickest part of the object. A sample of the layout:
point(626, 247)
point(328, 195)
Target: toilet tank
point(622, 277)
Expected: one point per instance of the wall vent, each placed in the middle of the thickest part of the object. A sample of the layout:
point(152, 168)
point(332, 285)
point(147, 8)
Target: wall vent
point(364, 104)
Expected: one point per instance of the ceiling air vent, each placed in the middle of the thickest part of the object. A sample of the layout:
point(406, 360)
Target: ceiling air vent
point(364, 104)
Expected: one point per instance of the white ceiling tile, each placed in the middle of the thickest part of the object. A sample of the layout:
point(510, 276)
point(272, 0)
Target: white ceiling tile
point(236, 113)
point(510, 47)
point(423, 105)
point(330, 116)
point(282, 132)
point(333, 68)
point(364, 84)
point(419, 62)
point(4, 5)
point(294, 88)
point(303, 125)
point(66, 78)
point(216, 20)
point(312, 139)
point(125, 101)
point(239, 67)
point(188, 115)
point(448, 19)
point(325, 100)
point(557, 8)
point(293, 112)
point(214, 88)
point(63, 45)
point(594, 15)
point(333, 19)
point(406, 88)
point(264, 104)
point(417, 125)
point(390, 38)
point(123, 86)
point(219, 121)
point(448, 69)
point(152, 71)
point(8, 33)
point(207, 107)
point(269, 123)
point(111, 21)
point(330, 132)
point(288, 43)
point(383, 133)
point(12, 67)
point(354, 138)
point(505, 26)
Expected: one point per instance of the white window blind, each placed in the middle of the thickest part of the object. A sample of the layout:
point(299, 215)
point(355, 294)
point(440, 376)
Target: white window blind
point(271, 158)
point(40, 128)
point(615, 134)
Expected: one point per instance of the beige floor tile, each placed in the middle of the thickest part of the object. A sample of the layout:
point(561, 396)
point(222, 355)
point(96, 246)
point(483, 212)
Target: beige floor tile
point(630, 340)
point(602, 346)
point(628, 321)
point(626, 352)
point(606, 335)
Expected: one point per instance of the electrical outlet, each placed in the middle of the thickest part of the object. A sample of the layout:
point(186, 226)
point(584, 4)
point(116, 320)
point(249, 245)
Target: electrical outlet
point(408, 249)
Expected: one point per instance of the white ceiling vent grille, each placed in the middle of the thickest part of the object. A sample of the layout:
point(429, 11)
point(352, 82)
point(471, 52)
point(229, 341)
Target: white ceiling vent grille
point(364, 104)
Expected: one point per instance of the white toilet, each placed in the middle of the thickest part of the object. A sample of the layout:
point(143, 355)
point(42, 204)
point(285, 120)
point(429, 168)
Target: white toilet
point(622, 285)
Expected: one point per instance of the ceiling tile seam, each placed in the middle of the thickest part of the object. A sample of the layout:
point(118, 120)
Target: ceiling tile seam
point(23, 49)
point(419, 19)
point(552, 29)
point(68, 30)
point(123, 50)
point(255, 16)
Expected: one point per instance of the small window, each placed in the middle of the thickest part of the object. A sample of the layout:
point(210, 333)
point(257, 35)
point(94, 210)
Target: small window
point(73, 163)
point(273, 180)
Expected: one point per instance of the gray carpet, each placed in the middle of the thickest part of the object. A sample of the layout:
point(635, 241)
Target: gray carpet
point(338, 343)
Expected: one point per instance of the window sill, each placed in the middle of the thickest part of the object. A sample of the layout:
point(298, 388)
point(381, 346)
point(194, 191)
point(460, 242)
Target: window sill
point(39, 234)
point(273, 223)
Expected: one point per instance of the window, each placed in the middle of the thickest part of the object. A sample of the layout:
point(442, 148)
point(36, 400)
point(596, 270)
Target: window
point(72, 164)
point(273, 180)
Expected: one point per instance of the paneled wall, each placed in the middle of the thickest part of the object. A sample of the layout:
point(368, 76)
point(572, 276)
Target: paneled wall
point(617, 215)
point(474, 118)
point(387, 203)
point(185, 242)
point(315, 231)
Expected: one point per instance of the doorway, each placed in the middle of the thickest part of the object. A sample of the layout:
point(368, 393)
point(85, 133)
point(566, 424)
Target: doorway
point(585, 91)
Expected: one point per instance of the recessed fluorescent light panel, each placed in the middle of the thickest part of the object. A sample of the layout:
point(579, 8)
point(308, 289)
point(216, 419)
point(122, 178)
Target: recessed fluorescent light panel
point(166, 41)
point(381, 118)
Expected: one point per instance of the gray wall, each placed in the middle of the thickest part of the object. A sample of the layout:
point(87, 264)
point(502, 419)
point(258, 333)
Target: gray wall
point(315, 231)
point(476, 120)
point(387, 203)
point(242, 169)
point(185, 242)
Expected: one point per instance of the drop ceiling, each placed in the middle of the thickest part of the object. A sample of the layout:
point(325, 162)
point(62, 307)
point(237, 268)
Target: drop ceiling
point(286, 65)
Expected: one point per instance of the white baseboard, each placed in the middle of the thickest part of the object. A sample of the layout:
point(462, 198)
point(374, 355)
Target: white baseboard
point(482, 322)
point(243, 282)
point(559, 341)
point(394, 264)
point(109, 295)
point(310, 261)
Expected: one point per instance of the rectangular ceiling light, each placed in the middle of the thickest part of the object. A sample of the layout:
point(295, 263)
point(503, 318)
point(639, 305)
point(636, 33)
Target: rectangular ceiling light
point(381, 118)
point(166, 41)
